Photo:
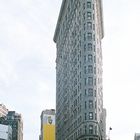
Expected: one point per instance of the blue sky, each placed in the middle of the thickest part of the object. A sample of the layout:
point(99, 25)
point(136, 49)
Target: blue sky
point(27, 62)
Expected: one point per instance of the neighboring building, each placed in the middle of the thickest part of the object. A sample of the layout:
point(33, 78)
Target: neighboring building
point(47, 125)
point(3, 110)
point(79, 96)
point(40, 137)
point(5, 132)
point(15, 121)
point(137, 136)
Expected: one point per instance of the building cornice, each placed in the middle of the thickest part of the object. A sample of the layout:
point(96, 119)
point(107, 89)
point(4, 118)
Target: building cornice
point(59, 20)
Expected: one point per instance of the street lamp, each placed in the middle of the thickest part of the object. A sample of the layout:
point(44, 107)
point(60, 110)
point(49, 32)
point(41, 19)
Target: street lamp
point(108, 136)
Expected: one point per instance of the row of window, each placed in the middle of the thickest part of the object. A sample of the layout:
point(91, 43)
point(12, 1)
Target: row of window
point(88, 5)
point(90, 116)
point(89, 47)
point(90, 129)
point(89, 81)
point(89, 37)
point(89, 58)
point(88, 15)
point(89, 105)
point(89, 69)
point(89, 26)
point(89, 92)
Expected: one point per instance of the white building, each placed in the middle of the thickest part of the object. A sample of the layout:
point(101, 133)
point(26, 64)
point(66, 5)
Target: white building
point(5, 132)
point(3, 110)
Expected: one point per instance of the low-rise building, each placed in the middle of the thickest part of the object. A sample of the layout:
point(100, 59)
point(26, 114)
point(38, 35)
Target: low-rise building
point(14, 120)
point(48, 125)
point(5, 132)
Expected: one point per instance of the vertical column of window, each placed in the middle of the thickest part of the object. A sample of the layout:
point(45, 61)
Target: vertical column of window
point(90, 115)
point(90, 81)
point(90, 92)
point(90, 104)
point(85, 59)
point(89, 36)
point(89, 15)
point(89, 32)
point(89, 25)
point(90, 69)
point(90, 58)
point(85, 129)
point(88, 4)
point(90, 129)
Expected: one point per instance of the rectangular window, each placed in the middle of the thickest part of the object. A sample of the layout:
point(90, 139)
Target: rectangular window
point(90, 129)
point(93, 16)
point(94, 81)
point(95, 130)
point(89, 25)
point(83, 5)
point(90, 58)
point(95, 104)
point(84, 16)
point(85, 81)
point(94, 59)
point(84, 47)
point(85, 69)
point(89, 36)
point(93, 6)
point(90, 115)
point(90, 104)
point(90, 92)
point(88, 4)
point(94, 48)
point(85, 116)
point(85, 105)
point(84, 37)
point(90, 69)
point(90, 81)
point(89, 47)
point(93, 37)
point(84, 58)
point(80, 86)
point(75, 82)
point(95, 116)
point(95, 93)
point(85, 129)
point(94, 70)
point(89, 15)
point(84, 26)
point(85, 92)
point(93, 26)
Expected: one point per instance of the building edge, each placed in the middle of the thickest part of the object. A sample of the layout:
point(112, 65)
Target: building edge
point(59, 20)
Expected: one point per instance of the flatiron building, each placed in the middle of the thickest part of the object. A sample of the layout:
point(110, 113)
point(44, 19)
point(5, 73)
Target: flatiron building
point(79, 92)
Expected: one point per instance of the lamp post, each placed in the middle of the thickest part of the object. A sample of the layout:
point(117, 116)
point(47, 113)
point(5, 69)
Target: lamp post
point(108, 137)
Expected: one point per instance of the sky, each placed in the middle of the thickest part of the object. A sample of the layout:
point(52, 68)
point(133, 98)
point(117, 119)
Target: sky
point(27, 62)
